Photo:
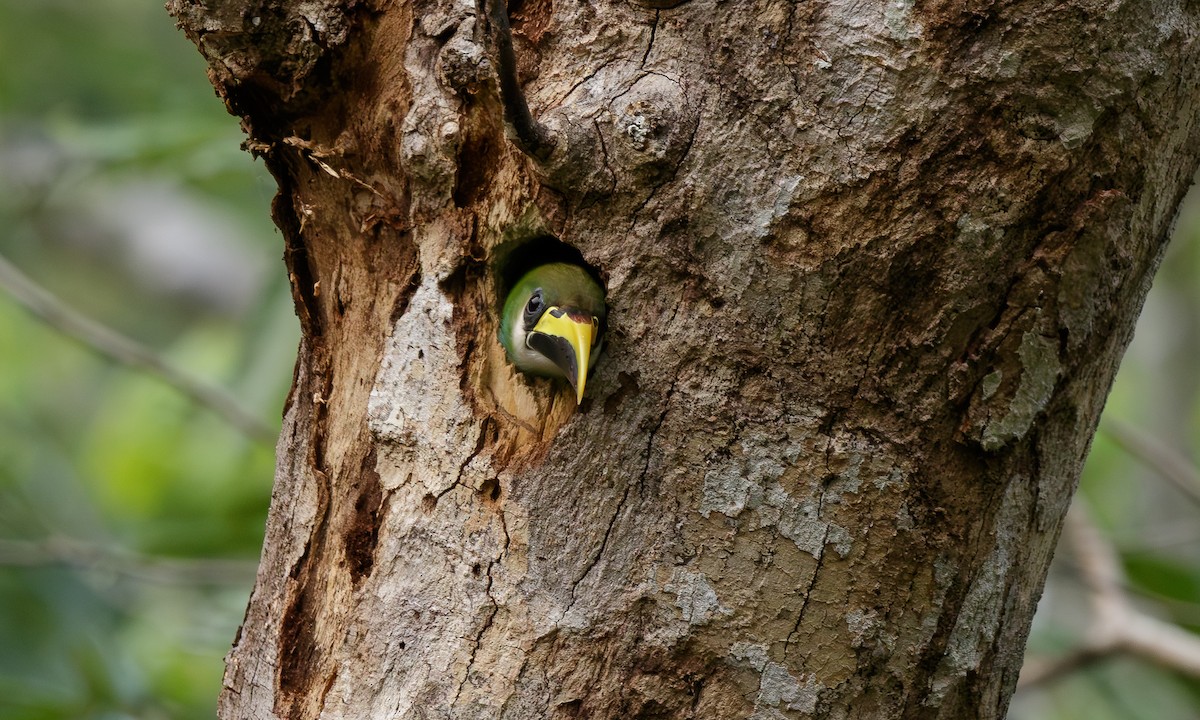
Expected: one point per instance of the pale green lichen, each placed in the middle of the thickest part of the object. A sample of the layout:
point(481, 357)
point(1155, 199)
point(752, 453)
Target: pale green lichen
point(753, 654)
point(897, 15)
point(751, 490)
point(840, 538)
point(991, 383)
point(979, 617)
point(779, 688)
point(863, 623)
point(797, 521)
point(1040, 370)
point(1078, 302)
point(894, 478)
point(695, 597)
point(727, 491)
point(1076, 126)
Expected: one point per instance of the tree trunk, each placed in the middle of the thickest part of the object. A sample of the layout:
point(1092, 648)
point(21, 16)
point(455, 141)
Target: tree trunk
point(870, 270)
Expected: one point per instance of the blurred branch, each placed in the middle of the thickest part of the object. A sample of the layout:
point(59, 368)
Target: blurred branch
point(1116, 625)
point(52, 311)
point(1162, 459)
point(149, 568)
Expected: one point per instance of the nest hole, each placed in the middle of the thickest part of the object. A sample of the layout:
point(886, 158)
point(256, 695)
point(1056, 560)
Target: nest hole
point(490, 489)
point(514, 258)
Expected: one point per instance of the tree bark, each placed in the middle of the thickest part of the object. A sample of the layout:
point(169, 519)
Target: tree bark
point(870, 269)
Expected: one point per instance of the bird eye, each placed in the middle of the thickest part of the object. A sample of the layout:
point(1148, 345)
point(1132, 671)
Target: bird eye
point(535, 302)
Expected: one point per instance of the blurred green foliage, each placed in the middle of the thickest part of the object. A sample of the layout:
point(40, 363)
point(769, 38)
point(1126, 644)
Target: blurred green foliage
point(131, 520)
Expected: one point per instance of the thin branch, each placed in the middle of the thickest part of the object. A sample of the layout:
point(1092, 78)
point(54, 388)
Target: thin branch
point(1162, 459)
point(1116, 626)
point(1163, 643)
point(1043, 671)
point(148, 568)
point(532, 137)
point(105, 341)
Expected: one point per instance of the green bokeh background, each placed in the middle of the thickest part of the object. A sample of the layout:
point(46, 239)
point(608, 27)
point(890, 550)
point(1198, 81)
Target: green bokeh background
point(131, 519)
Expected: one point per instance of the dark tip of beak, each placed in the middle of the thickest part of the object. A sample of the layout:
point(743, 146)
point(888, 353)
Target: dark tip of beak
point(559, 351)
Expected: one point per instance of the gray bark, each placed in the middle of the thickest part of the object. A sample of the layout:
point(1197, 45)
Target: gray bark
point(871, 268)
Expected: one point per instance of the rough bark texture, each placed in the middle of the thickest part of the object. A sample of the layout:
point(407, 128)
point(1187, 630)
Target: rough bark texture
point(871, 267)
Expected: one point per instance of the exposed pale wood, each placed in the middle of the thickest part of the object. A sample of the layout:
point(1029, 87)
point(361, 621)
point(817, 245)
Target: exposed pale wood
point(871, 267)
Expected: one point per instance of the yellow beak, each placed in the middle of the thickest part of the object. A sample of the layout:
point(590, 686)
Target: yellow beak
point(565, 337)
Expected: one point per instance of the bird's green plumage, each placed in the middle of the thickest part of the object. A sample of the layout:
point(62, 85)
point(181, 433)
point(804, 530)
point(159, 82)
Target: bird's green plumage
point(563, 285)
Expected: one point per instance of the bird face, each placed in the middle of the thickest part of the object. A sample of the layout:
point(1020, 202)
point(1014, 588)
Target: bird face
point(552, 323)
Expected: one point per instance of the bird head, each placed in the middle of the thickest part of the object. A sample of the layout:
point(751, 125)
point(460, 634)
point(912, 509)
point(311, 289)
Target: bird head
point(553, 323)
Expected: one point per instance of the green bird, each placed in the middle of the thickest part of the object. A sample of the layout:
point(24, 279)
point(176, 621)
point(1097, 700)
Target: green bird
point(553, 323)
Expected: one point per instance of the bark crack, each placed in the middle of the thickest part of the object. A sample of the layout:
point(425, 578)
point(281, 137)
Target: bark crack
point(788, 32)
point(480, 441)
point(625, 495)
point(816, 573)
point(862, 378)
point(612, 185)
point(478, 640)
point(653, 32)
point(812, 583)
point(563, 98)
point(603, 544)
point(662, 417)
point(495, 607)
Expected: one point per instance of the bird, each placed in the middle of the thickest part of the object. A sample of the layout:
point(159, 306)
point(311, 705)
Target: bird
point(552, 324)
